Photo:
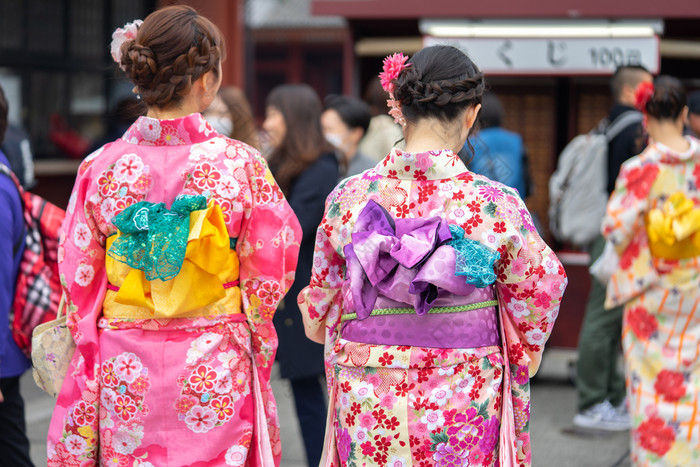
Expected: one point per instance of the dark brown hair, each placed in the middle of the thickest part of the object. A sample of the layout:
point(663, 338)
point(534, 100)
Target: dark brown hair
point(441, 82)
point(303, 141)
point(668, 99)
point(241, 116)
point(173, 48)
point(630, 75)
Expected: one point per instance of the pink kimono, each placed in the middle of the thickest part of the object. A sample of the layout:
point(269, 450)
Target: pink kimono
point(434, 296)
point(173, 357)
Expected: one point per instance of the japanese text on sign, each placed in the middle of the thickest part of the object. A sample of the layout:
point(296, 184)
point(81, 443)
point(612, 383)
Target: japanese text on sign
point(556, 56)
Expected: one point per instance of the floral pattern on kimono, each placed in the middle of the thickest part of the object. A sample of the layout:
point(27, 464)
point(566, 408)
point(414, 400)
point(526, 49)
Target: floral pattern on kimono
point(420, 406)
point(223, 362)
point(661, 325)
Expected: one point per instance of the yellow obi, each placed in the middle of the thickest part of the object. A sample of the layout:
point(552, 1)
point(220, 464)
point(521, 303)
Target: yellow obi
point(206, 284)
point(674, 230)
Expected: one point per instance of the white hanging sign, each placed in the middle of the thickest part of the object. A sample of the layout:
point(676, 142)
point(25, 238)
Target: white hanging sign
point(556, 56)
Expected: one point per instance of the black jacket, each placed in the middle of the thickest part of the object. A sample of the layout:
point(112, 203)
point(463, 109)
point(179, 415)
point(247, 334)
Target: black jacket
point(630, 142)
point(300, 357)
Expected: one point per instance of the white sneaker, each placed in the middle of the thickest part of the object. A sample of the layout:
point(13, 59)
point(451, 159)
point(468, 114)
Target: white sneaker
point(603, 416)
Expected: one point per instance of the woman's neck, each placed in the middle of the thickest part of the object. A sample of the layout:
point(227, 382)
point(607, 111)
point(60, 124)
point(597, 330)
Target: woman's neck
point(186, 108)
point(669, 134)
point(432, 135)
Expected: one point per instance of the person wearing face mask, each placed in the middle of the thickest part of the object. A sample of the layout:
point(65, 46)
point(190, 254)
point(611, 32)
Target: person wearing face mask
point(230, 115)
point(219, 117)
point(344, 122)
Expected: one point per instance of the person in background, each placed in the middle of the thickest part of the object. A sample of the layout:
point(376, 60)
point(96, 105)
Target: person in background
point(653, 223)
point(499, 154)
point(230, 115)
point(344, 122)
point(14, 444)
point(599, 383)
point(383, 133)
point(694, 113)
point(431, 289)
point(306, 168)
point(176, 249)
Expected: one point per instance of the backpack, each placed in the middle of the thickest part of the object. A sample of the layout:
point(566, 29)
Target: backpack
point(578, 193)
point(38, 288)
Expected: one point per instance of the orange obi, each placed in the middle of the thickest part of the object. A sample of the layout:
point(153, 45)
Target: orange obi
point(206, 284)
point(674, 230)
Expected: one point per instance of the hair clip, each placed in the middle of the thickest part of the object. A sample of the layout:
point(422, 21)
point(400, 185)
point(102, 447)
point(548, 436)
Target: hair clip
point(392, 67)
point(119, 36)
point(642, 95)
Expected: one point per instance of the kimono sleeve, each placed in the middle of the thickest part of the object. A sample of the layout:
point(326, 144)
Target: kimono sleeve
point(321, 302)
point(628, 203)
point(530, 286)
point(82, 270)
point(268, 249)
point(624, 227)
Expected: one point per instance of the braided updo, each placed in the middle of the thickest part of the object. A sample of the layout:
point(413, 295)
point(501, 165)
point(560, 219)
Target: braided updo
point(174, 47)
point(441, 82)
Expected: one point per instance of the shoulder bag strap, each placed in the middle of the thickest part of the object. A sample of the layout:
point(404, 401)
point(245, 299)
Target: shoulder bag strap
point(623, 121)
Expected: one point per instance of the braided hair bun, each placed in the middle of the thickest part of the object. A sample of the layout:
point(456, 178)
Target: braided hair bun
point(173, 48)
point(441, 82)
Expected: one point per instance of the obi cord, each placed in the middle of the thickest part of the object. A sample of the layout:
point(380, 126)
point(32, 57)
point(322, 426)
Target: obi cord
point(428, 258)
point(154, 238)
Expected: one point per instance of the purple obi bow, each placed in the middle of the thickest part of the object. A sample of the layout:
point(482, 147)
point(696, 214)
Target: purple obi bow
point(405, 260)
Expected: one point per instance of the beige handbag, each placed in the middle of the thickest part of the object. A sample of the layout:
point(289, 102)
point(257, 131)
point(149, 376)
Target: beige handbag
point(52, 352)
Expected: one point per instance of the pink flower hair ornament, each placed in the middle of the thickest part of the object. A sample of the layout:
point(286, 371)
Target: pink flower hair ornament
point(642, 95)
point(392, 67)
point(121, 35)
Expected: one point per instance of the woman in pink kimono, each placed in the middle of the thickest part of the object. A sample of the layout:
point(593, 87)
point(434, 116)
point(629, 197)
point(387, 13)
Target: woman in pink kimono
point(178, 245)
point(431, 289)
point(653, 221)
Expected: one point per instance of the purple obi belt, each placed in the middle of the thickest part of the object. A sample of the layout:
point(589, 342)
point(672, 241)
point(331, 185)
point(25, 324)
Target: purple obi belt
point(418, 282)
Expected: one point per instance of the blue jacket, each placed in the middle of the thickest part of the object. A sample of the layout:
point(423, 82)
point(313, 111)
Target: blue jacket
point(12, 361)
point(499, 155)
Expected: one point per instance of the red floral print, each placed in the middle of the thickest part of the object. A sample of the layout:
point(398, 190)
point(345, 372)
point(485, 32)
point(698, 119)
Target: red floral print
point(655, 436)
point(643, 324)
point(670, 385)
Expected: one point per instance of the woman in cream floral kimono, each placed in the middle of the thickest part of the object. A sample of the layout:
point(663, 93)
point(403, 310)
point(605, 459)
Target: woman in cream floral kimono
point(177, 247)
point(653, 221)
point(431, 289)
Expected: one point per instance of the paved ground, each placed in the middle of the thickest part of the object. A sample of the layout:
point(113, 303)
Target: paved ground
point(553, 407)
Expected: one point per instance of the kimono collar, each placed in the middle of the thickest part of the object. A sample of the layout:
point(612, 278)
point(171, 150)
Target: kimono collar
point(668, 155)
point(430, 165)
point(190, 129)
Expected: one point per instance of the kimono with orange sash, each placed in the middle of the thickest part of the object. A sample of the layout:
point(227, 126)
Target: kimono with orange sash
point(177, 247)
point(434, 296)
point(653, 221)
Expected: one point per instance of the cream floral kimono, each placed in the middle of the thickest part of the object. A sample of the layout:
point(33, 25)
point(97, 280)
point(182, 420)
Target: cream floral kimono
point(444, 381)
point(653, 220)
